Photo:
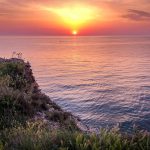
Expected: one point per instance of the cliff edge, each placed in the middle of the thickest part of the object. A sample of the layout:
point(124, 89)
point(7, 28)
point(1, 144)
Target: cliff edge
point(29, 120)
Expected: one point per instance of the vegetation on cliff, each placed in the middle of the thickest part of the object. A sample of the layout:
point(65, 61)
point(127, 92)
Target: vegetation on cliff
point(29, 120)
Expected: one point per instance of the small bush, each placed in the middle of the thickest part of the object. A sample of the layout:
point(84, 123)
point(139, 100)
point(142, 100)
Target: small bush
point(14, 72)
point(36, 136)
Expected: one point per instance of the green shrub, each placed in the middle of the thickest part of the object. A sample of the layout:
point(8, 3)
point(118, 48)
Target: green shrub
point(11, 110)
point(13, 73)
point(12, 68)
point(36, 136)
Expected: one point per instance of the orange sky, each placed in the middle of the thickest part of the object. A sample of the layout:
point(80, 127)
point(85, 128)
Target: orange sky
point(86, 17)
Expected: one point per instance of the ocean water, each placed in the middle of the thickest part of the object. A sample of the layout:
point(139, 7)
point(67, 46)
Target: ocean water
point(105, 80)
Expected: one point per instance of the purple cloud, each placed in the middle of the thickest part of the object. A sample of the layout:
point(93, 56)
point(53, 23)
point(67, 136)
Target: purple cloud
point(137, 15)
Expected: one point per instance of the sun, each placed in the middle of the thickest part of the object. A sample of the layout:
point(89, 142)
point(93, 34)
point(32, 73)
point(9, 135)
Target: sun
point(74, 32)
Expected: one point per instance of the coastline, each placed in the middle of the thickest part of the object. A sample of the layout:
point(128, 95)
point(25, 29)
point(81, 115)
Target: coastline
point(49, 107)
point(31, 120)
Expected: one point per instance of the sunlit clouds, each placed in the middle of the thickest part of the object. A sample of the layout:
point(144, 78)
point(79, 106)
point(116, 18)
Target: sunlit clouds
point(88, 17)
point(74, 16)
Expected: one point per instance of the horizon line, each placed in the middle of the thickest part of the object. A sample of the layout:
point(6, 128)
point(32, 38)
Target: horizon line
point(75, 35)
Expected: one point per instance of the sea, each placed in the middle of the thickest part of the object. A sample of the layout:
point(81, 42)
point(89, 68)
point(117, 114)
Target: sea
point(104, 80)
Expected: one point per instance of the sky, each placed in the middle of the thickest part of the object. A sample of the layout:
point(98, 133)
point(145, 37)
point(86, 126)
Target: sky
point(67, 17)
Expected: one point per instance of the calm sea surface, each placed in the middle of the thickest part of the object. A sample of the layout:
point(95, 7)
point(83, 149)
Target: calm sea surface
point(103, 80)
